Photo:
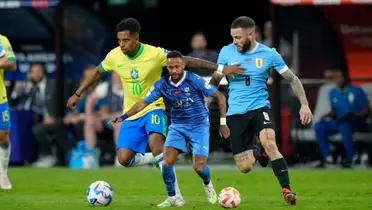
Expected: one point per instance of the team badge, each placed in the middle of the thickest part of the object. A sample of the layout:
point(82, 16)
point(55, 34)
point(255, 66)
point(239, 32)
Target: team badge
point(134, 74)
point(259, 62)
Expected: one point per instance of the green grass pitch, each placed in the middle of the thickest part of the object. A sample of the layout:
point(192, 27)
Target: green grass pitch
point(142, 188)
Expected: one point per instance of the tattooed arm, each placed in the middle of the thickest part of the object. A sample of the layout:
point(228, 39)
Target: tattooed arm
point(203, 64)
point(297, 88)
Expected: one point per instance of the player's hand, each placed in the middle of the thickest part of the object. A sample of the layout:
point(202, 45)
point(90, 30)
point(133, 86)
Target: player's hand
point(232, 70)
point(72, 101)
point(224, 131)
point(305, 115)
point(117, 119)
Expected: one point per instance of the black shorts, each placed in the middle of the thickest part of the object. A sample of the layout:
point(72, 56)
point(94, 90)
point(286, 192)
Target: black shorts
point(244, 128)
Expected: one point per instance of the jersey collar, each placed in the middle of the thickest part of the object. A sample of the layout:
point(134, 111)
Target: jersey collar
point(179, 82)
point(139, 52)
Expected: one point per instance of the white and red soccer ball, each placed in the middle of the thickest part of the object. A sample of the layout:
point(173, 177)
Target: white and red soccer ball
point(229, 198)
point(100, 193)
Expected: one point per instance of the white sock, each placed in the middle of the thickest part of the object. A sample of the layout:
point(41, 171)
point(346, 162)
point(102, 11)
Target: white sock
point(159, 160)
point(4, 158)
point(140, 159)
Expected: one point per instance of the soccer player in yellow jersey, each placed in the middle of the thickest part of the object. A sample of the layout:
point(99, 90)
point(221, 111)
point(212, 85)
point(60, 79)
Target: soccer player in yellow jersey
point(7, 62)
point(139, 67)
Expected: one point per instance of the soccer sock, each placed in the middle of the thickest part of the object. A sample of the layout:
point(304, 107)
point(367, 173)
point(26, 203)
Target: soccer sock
point(4, 157)
point(280, 169)
point(205, 175)
point(169, 179)
point(140, 159)
point(159, 161)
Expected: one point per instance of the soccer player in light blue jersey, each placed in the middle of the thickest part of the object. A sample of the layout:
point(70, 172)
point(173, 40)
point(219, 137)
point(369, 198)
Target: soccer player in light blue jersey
point(249, 111)
point(184, 94)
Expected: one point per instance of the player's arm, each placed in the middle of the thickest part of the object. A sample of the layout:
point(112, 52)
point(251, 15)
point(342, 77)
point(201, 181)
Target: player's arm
point(139, 106)
point(83, 87)
point(7, 64)
point(204, 64)
point(298, 89)
point(221, 100)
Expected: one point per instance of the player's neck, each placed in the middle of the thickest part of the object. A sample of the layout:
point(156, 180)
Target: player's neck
point(253, 45)
point(134, 53)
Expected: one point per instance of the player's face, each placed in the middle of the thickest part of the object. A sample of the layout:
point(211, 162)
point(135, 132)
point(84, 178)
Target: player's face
point(36, 73)
point(242, 38)
point(175, 68)
point(128, 42)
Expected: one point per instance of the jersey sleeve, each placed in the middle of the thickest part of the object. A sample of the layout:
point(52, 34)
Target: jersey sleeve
point(222, 57)
point(202, 85)
point(154, 93)
point(162, 56)
point(107, 65)
point(8, 49)
point(277, 62)
point(2, 51)
point(363, 98)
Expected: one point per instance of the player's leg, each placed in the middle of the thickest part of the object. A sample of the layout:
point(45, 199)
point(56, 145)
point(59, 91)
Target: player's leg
point(131, 144)
point(199, 143)
point(175, 142)
point(347, 139)
point(4, 147)
point(265, 127)
point(241, 139)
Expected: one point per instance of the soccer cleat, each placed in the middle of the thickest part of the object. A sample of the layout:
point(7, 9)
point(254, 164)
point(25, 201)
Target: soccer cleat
point(5, 182)
point(262, 158)
point(173, 201)
point(289, 196)
point(211, 193)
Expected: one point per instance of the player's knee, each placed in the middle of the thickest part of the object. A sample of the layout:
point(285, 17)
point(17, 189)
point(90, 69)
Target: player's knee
point(198, 168)
point(124, 161)
point(4, 137)
point(245, 168)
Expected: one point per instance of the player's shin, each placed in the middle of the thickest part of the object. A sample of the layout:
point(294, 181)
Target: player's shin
point(4, 157)
point(169, 179)
point(280, 169)
point(205, 175)
point(159, 159)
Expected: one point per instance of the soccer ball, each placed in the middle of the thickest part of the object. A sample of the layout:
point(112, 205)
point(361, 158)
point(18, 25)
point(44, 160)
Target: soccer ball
point(229, 198)
point(100, 193)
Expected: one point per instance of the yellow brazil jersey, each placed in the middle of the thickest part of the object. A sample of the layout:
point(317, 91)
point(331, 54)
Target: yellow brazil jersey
point(5, 45)
point(137, 74)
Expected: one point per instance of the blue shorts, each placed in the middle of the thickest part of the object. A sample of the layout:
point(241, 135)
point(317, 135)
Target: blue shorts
point(197, 135)
point(134, 134)
point(5, 116)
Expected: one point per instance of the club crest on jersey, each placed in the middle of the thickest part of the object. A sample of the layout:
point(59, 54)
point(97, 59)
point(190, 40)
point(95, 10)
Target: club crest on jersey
point(259, 62)
point(134, 74)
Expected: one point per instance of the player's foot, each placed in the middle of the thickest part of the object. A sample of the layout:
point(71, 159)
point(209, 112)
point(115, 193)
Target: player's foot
point(289, 196)
point(172, 201)
point(262, 158)
point(324, 162)
point(5, 182)
point(211, 193)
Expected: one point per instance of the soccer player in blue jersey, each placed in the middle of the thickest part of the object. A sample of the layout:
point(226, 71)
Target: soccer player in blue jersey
point(184, 94)
point(7, 62)
point(249, 113)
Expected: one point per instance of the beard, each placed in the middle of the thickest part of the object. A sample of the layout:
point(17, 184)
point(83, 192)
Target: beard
point(246, 46)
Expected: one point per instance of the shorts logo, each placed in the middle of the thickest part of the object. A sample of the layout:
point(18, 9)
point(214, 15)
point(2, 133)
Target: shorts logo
point(259, 62)
point(5, 116)
point(266, 116)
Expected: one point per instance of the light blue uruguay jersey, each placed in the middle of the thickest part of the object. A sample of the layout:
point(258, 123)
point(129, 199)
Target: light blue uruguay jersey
point(249, 91)
point(184, 99)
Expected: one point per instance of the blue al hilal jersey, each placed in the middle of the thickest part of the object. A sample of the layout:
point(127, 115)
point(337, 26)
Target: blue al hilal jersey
point(249, 91)
point(184, 99)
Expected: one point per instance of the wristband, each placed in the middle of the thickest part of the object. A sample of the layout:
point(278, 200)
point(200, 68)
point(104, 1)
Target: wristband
point(223, 121)
point(124, 116)
point(77, 94)
point(220, 68)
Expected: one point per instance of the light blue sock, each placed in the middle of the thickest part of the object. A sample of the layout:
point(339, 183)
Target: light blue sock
point(205, 175)
point(169, 179)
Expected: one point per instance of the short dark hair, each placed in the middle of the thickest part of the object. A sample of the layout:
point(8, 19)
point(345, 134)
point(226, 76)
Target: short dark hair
point(129, 24)
point(243, 22)
point(174, 54)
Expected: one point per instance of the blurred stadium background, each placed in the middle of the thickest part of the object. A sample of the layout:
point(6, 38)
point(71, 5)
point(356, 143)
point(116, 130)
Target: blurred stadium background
point(68, 36)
